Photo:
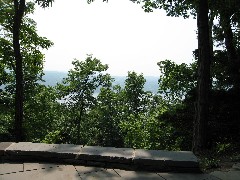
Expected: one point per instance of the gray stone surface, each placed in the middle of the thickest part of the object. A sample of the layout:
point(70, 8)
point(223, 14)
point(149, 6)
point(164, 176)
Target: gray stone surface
point(64, 173)
point(186, 176)
point(8, 168)
point(44, 150)
point(166, 158)
point(88, 169)
point(96, 173)
point(20, 146)
point(3, 146)
point(39, 166)
point(30, 171)
point(108, 157)
point(236, 166)
point(148, 157)
point(138, 175)
point(228, 175)
point(107, 154)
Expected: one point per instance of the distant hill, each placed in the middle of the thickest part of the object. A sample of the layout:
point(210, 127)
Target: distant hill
point(53, 77)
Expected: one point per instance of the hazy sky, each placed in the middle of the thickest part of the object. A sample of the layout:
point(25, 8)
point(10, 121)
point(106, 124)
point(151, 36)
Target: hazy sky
point(119, 33)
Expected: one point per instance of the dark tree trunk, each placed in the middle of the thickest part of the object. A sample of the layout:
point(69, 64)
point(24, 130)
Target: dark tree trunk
point(234, 60)
point(234, 64)
point(19, 7)
point(203, 86)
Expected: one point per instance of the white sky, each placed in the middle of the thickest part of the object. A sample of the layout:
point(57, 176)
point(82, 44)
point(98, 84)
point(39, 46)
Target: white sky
point(119, 33)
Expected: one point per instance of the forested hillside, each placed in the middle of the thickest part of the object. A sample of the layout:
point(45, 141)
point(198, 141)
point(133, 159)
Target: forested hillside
point(51, 78)
point(188, 107)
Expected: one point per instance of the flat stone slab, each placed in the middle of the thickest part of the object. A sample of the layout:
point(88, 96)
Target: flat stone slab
point(39, 166)
point(65, 172)
point(64, 151)
point(29, 171)
point(187, 176)
point(236, 166)
point(106, 154)
point(9, 168)
point(88, 169)
point(108, 157)
point(96, 173)
point(4, 146)
point(138, 175)
point(183, 159)
point(228, 175)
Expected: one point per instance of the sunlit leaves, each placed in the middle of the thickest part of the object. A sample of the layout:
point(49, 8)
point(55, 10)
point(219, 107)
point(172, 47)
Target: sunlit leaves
point(134, 85)
point(176, 80)
point(44, 3)
point(176, 8)
point(79, 87)
point(31, 46)
point(90, 1)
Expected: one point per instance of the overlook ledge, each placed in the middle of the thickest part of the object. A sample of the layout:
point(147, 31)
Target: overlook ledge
point(107, 157)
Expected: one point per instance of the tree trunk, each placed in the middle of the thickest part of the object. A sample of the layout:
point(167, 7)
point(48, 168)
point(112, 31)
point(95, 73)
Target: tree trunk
point(18, 15)
point(203, 86)
point(78, 141)
point(234, 64)
point(234, 60)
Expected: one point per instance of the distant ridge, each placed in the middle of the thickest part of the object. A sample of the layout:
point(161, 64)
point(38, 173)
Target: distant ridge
point(51, 78)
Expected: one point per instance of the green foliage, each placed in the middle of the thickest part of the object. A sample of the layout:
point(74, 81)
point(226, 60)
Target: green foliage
point(79, 87)
point(134, 93)
point(176, 80)
point(90, 1)
point(52, 138)
point(221, 71)
point(41, 110)
point(209, 163)
point(44, 3)
point(72, 112)
point(105, 117)
point(172, 7)
point(31, 44)
point(222, 147)
point(149, 133)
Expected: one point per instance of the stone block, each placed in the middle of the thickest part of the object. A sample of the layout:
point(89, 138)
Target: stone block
point(183, 159)
point(120, 166)
point(62, 151)
point(164, 161)
point(148, 157)
point(106, 154)
point(4, 146)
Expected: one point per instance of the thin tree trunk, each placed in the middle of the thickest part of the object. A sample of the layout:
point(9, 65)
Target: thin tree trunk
point(18, 15)
point(210, 25)
point(203, 87)
point(79, 123)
